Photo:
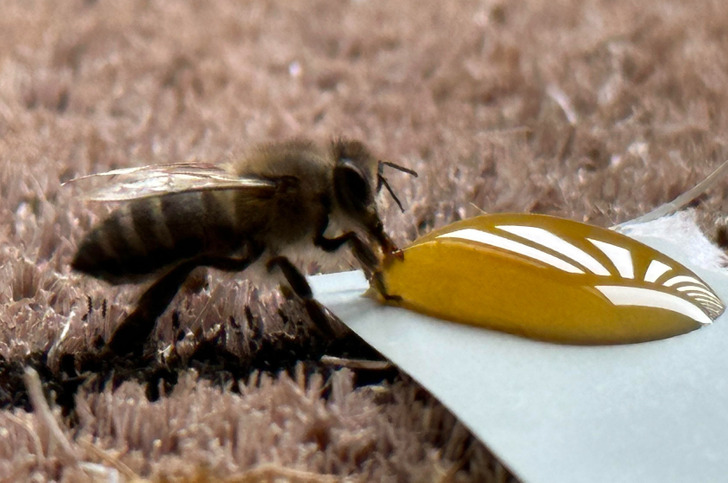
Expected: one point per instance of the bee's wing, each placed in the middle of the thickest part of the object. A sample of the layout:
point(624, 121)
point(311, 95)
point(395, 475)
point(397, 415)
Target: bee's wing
point(147, 181)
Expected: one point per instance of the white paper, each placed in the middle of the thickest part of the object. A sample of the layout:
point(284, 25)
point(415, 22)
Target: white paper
point(655, 411)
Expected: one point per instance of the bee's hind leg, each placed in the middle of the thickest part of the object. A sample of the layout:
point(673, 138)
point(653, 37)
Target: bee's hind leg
point(299, 285)
point(134, 330)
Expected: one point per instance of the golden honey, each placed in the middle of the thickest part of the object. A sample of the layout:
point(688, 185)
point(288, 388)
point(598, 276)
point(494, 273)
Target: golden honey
point(552, 279)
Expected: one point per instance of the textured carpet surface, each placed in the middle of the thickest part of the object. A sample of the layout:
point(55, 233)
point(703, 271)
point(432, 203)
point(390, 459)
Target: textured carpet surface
point(596, 110)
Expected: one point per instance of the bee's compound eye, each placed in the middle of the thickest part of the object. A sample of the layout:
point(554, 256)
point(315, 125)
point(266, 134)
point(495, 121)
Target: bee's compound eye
point(551, 279)
point(351, 187)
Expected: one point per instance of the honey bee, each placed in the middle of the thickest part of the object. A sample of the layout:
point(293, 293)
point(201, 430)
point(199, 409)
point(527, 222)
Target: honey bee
point(182, 216)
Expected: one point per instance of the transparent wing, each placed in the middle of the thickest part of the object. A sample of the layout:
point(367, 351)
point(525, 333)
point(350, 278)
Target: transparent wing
point(147, 181)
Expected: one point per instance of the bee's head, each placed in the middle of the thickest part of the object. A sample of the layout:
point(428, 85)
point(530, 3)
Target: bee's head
point(357, 179)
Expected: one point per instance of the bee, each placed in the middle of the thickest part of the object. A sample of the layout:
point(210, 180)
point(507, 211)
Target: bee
point(182, 216)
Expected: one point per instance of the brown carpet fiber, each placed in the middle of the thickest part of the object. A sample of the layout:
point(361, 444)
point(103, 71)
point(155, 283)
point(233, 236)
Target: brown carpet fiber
point(596, 110)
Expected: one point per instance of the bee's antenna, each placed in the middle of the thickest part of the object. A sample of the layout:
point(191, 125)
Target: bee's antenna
point(382, 181)
point(409, 171)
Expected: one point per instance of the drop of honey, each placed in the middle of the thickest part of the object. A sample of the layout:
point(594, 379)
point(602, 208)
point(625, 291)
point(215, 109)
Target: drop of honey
point(552, 279)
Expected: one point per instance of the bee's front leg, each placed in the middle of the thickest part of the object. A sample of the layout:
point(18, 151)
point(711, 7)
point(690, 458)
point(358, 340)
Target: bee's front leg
point(363, 252)
point(372, 268)
point(366, 256)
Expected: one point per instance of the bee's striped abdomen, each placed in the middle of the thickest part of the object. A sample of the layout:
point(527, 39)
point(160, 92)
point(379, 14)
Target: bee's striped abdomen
point(147, 235)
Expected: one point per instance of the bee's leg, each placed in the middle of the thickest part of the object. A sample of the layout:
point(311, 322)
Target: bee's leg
point(368, 259)
point(300, 287)
point(363, 253)
point(134, 330)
